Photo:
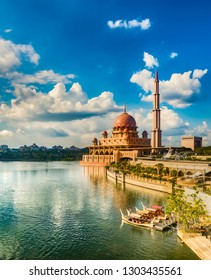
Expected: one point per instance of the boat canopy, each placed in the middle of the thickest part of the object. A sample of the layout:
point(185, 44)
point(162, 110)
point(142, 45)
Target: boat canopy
point(157, 207)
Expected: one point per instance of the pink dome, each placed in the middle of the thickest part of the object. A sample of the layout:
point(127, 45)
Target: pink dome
point(125, 120)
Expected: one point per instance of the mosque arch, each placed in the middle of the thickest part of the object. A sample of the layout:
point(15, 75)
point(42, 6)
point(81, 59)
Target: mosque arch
point(189, 173)
point(180, 173)
point(125, 159)
point(155, 170)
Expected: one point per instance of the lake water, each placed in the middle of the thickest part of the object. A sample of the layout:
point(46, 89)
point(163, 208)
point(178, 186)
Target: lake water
point(61, 210)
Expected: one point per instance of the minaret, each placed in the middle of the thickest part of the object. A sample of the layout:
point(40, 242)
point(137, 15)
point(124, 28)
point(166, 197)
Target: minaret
point(156, 131)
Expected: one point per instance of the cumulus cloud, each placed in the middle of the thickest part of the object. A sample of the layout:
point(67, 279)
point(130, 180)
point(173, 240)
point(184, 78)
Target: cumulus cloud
point(144, 79)
point(31, 114)
point(11, 55)
point(67, 114)
point(150, 60)
point(144, 24)
point(58, 105)
point(40, 77)
point(200, 130)
point(197, 73)
point(203, 130)
point(173, 55)
point(171, 122)
point(180, 91)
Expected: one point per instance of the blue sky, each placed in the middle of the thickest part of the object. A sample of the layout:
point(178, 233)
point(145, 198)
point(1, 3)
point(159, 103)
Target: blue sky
point(68, 66)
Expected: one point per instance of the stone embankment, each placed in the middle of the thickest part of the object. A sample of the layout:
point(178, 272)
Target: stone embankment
point(155, 185)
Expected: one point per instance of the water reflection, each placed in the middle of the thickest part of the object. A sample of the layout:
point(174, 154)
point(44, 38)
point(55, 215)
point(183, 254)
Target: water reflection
point(60, 210)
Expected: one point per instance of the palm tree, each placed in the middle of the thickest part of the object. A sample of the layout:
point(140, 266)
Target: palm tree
point(160, 169)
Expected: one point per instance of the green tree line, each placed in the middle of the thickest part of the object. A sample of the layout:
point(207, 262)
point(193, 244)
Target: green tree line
point(48, 155)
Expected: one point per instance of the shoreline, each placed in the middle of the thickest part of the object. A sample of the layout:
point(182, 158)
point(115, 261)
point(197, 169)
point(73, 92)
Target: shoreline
point(199, 244)
point(153, 185)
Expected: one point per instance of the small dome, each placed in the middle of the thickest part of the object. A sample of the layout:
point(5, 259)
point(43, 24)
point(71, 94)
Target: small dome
point(125, 120)
point(104, 132)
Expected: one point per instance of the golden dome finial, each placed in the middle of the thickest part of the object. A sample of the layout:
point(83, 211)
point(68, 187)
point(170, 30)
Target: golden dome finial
point(125, 108)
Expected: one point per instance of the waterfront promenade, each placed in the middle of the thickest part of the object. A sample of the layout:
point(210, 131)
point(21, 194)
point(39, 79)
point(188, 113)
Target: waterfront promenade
point(165, 187)
point(199, 244)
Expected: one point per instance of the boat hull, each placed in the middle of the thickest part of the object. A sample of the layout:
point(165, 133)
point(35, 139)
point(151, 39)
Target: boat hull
point(137, 224)
point(158, 223)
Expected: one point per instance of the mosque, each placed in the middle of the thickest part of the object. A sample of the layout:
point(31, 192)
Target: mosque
point(125, 143)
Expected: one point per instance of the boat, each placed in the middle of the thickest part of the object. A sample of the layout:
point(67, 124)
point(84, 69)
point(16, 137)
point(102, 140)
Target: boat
point(153, 208)
point(136, 220)
point(153, 218)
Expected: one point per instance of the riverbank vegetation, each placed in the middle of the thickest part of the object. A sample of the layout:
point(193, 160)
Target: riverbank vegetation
point(161, 174)
point(157, 172)
point(205, 151)
point(47, 155)
point(190, 210)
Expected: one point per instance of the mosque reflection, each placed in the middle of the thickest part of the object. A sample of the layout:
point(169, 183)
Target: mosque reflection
point(124, 196)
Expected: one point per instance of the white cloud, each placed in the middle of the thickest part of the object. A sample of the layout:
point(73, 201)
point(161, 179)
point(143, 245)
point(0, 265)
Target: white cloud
point(116, 24)
point(29, 51)
point(144, 24)
point(58, 105)
point(6, 133)
point(144, 79)
point(8, 30)
point(203, 130)
point(171, 123)
point(11, 55)
point(173, 55)
point(180, 91)
point(197, 73)
point(150, 60)
point(67, 115)
point(40, 77)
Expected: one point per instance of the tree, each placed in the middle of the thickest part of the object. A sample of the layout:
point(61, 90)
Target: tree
point(189, 210)
point(160, 168)
point(174, 173)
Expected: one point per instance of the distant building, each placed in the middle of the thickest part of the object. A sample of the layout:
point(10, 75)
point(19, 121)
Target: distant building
point(4, 148)
point(24, 148)
point(73, 148)
point(34, 147)
point(57, 148)
point(191, 142)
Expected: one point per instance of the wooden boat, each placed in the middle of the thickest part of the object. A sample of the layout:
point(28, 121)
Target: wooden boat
point(136, 220)
point(148, 218)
